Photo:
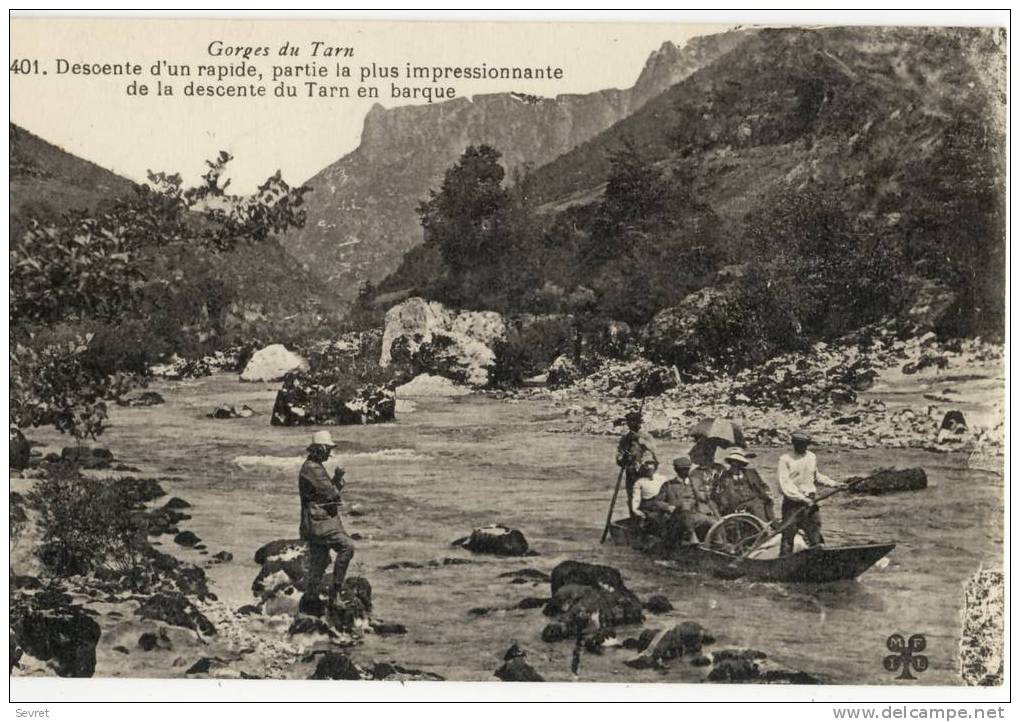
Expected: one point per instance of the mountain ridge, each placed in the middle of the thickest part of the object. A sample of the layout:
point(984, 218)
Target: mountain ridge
point(362, 215)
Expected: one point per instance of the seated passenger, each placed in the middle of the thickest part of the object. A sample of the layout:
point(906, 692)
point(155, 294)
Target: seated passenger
point(643, 504)
point(691, 511)
point(741, 489)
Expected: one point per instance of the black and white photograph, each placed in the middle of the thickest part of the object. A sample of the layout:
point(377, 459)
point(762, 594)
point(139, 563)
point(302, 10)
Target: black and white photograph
point(661, 354)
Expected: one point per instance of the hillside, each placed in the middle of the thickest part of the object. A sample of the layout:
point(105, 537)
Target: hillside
point(854, 105)
point(362, 215)
point(840, 171)
point(259, 282)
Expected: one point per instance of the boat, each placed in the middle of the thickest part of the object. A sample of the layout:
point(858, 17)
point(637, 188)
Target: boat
point(813, 565)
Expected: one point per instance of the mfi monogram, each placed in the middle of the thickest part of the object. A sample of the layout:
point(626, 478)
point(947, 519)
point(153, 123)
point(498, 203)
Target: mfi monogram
point(906, 655)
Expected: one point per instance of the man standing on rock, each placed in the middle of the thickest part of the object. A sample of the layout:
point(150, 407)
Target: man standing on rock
point(321, 526)
point(634, 449)
point(798, 474)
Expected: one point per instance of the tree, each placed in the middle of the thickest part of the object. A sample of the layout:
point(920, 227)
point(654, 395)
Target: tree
point(91, 267)
point(464, 218)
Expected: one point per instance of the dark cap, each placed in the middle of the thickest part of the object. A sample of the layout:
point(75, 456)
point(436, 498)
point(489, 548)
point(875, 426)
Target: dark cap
point(801, 436)
point(682, 462)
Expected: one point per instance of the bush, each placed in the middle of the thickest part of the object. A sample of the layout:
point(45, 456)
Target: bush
point(528, 349)
point(88, 525)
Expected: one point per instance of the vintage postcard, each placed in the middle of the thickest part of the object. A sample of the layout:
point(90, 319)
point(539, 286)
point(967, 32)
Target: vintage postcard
point(584, 352)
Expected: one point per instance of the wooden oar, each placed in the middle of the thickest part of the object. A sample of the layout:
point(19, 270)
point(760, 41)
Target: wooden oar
point(794, 518)
point(612, 503)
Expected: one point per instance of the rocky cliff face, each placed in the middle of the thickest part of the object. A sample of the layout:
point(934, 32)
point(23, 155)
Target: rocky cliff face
point(361, 212)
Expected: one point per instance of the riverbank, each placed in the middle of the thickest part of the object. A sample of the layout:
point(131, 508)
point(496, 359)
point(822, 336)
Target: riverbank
point(458, 463)
point(895, 394)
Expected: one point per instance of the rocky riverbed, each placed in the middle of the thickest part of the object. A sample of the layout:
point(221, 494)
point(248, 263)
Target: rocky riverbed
point(455, 464)
point(889, 393)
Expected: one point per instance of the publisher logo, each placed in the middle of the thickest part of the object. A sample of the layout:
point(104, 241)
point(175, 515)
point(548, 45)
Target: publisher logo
point(906, 655)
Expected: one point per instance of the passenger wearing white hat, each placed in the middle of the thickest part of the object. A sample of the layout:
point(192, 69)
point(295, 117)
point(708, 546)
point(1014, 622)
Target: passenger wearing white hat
point(321, 525)
point(741, 489)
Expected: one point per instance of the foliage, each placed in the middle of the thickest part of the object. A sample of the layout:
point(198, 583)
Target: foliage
point(59, 383)
point(529, 348)
point(346, 368)
point(92, 270)
point(88, 524)
point(833, 270)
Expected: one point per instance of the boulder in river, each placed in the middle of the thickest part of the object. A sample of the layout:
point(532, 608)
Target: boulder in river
point(302, 402)
point(143, 398)
point(232, 412)
point(335, 665)
point(584, 592)
point(428, 385)
point(448, 342)
point(176, 610)
point(495, 539)
point(515, 667)
point(886, 481)
point(178, 368)
point(272, 363)
point(668, 644)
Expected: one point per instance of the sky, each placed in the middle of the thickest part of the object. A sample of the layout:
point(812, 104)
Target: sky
point(94, 118)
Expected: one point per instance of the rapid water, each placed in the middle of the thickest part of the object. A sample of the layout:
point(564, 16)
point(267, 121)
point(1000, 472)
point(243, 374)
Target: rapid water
point(455, 464)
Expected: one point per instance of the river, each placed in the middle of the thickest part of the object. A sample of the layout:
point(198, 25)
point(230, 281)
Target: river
point(457, 463)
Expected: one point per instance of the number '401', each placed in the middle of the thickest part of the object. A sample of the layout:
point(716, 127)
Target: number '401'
point(25, 66)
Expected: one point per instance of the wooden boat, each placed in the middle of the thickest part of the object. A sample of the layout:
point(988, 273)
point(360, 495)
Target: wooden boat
point(813, 565)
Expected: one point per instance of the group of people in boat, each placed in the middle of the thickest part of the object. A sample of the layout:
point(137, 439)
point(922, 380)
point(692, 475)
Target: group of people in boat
point(682, 508)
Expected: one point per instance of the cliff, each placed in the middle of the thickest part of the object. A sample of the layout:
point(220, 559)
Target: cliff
point(362, 215)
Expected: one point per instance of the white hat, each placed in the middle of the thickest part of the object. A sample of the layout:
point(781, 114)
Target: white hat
point(323, 438)
point(736, 455)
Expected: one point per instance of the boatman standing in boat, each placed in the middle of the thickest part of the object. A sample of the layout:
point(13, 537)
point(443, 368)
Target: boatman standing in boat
point(634, 449)
point(798, 474)
point(321, 526)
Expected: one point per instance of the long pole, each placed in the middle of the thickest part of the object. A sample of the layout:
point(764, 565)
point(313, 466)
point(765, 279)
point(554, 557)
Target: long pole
point(612, 503)
point(796, 517)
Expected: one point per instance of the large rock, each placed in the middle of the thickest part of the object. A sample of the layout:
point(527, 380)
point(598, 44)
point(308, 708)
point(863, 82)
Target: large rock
point(427, 385)
point(435, 339)
point(887, 481)
point(515, 667)
point(21, 450)
point(982, 645)
point(142, 398)
point(587, 596)
point(50, 629)
point(496, 539)
point(562, 372)
point(87, 457)
point(302, 403)
point(669, 644)
point(281, 581)
point(272, 363)
point(671, 335)
point(176, 610)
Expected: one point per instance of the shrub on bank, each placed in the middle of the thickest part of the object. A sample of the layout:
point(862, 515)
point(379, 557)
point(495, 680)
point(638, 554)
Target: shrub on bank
point(89, 525)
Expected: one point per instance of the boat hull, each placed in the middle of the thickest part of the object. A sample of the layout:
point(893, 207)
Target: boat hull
point(815, 565)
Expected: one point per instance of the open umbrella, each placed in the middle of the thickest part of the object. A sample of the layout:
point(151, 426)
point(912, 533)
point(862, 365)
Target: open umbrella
point(724, 431)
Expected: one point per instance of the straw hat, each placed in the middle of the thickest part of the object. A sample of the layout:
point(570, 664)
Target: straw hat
point(736, 455)
point(323, 438)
